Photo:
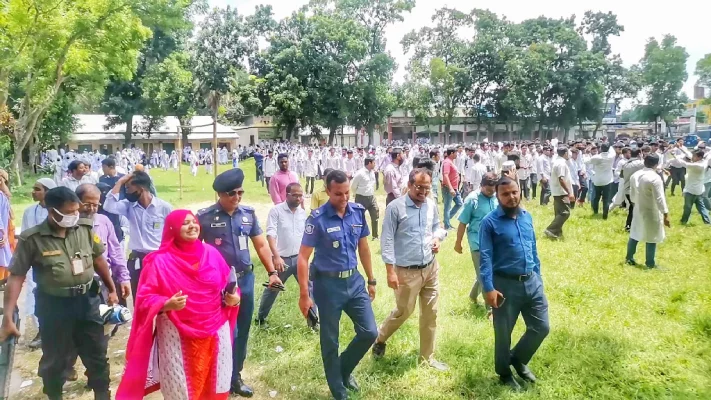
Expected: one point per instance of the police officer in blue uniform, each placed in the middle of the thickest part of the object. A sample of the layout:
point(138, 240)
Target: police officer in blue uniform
point(334, 232)
point(228, 226)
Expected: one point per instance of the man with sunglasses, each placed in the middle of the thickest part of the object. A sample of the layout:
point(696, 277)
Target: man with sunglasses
point(228, 226)
point(410, 240)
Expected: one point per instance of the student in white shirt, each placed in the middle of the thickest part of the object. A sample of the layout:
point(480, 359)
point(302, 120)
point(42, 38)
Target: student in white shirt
point(694, 189)
point(602, 178)
point(562, 192)
point(363, 186)
point(270, 167)
point(310, 169)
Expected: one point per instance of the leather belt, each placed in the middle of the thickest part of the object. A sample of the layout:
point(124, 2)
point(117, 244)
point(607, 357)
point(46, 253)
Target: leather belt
point(423, 266)
point(338, 274)
point(245, 272)
point(514, 277)
point(73, 291)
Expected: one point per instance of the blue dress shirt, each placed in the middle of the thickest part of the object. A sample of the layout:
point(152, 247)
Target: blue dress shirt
point(408, 232)
point(507, 245)
point(335, 239)
point(230, 234)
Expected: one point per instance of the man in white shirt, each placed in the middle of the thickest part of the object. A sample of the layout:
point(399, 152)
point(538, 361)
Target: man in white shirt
point(475, 173)
point(286, 222)
point(534, 169)
point(310, 169)
point(363, 185)
point(694, 189)
point(524, 172)
point(707, 175)
point(676, 166)
point(544, 175)
point(333, 160)
point(562, 192)
point(633, 165)
point(349, 165)
point(602, 178)
point(79, 173)
point(270, 167)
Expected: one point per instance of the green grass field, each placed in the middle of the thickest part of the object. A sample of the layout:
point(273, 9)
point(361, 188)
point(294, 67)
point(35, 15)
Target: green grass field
point(617, 332)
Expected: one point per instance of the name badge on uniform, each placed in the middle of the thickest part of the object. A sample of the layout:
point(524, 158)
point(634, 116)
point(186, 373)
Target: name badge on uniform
point(219, 225)
point(243, 242)
point(51, 253)
point(334, 229)
point(77, 266)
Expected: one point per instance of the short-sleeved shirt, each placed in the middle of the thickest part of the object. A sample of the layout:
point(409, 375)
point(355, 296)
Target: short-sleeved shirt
point(230, 234)
point(449, 169)
point(560, 170)
point(51, 255)
point(335, 239)
point(476, 207)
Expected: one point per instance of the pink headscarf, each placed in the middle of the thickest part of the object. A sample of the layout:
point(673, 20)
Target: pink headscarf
point(167, 271)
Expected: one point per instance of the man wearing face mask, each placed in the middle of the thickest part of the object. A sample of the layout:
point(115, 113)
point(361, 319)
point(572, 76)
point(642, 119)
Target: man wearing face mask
point(146, 215)
point(511, 275)
point(65, 254)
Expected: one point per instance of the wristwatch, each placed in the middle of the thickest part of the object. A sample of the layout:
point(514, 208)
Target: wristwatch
point(272, 273)
point(373, 282)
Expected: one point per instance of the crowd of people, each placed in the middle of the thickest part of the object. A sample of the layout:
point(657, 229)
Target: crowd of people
point(109, 238)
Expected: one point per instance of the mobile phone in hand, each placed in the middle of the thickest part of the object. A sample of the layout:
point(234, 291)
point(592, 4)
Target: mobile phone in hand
point(231, 287)
point(500, 301)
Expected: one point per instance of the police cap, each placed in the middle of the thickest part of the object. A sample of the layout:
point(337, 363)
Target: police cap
point(228, 180)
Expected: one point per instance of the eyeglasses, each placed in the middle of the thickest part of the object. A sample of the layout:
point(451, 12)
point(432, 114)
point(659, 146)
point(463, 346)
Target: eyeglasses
point(424, 189)
point(233, 193)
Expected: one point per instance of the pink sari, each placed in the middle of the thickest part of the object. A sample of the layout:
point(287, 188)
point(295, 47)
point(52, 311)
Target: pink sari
point(196, 331)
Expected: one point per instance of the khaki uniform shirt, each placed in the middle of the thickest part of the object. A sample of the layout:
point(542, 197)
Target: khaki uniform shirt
point(53, 256)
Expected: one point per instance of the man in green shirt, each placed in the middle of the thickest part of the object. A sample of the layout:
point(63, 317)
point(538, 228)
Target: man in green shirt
point(476, 206)
point(64, 253)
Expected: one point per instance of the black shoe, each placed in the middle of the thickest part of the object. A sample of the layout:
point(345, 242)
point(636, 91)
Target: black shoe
point(509, 381)
point(57, 397)
point(351, 384)
point(378, 350)
point(36, 343)
point(240, 389)
point(631, 262)
point(523, 371)
point(260, 321)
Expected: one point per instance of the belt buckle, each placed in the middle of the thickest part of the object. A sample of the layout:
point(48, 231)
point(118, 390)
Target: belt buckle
point(521, 277)
point(76, 290)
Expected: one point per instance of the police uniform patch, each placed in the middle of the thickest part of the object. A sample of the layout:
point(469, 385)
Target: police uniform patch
point(309, 229)
point(218, 241)
point(245, 219)
point(336, 244)
point(97, 239)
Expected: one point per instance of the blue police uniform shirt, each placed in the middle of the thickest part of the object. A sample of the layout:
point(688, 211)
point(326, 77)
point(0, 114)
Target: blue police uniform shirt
point(335, 239)
point(230, 234)
point(507, 245)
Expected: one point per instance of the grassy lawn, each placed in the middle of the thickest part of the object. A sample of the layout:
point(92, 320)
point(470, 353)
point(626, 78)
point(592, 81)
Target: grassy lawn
point(617, 332)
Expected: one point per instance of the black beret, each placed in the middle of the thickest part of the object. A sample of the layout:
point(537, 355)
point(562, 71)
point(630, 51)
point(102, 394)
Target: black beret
point(228, 180)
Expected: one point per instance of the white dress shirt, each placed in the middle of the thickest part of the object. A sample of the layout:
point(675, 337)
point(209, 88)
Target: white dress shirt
point(363, 182)
point(602, 168)
point(270, 166)
point(694, 174)
point(310, 167)
point(287, 227)
point(558, 170)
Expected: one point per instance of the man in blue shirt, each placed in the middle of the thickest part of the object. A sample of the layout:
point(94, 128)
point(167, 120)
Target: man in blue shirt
point(259, 163)
point(411, 237)
point(476, 206)
point(510, 273)
point(334, 232)
point(227, 226)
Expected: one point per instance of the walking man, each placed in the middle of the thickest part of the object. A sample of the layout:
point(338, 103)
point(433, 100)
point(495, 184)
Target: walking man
point(411, 239)
point(651, 212)
point(450, 187)
point(281, 179)
point(602, 179)
point(476, 206)
point(510, 272)
point(392, 177)
point(544, 175)
point(363, 185)
point(227, 225)
point(334, 233)
point(562, 191)
point(285, 229)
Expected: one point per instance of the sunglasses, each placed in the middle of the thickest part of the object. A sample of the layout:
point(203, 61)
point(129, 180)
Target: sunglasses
point(233, 193)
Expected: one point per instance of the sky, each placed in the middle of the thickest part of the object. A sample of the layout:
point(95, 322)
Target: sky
point(641, 20)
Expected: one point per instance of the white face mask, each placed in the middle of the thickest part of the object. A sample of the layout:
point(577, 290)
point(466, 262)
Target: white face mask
point(67, 221)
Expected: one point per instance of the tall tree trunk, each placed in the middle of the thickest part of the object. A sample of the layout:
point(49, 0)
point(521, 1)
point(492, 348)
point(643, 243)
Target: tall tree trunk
point(478, 127)
point(128, 133)
point(370, 128)
point(34, 145)
point(331, 135)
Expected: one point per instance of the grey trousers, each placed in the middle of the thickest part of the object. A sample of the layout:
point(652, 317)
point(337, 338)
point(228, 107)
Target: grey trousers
point(477, 288)
point(269, 295)
point(562, 213)
point(525, 298)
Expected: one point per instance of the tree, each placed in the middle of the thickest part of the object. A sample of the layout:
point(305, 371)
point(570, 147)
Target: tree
point(438, 62)
point(169, 89)
point(663, 73)
point(46, 43)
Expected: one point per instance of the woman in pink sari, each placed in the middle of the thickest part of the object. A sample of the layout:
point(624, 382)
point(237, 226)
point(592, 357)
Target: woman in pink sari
point(182, 288)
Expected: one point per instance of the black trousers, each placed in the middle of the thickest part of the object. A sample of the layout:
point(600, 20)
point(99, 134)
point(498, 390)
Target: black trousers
point(534, 185)
point(377, 180)
point(267, 178)
point(603, 192)
point(628, 224)
point(545, 193)
point(310, 180)
point(134, 272)
point(583, 193)
point(678, 177)
point(372, 206)
point(71, 325)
